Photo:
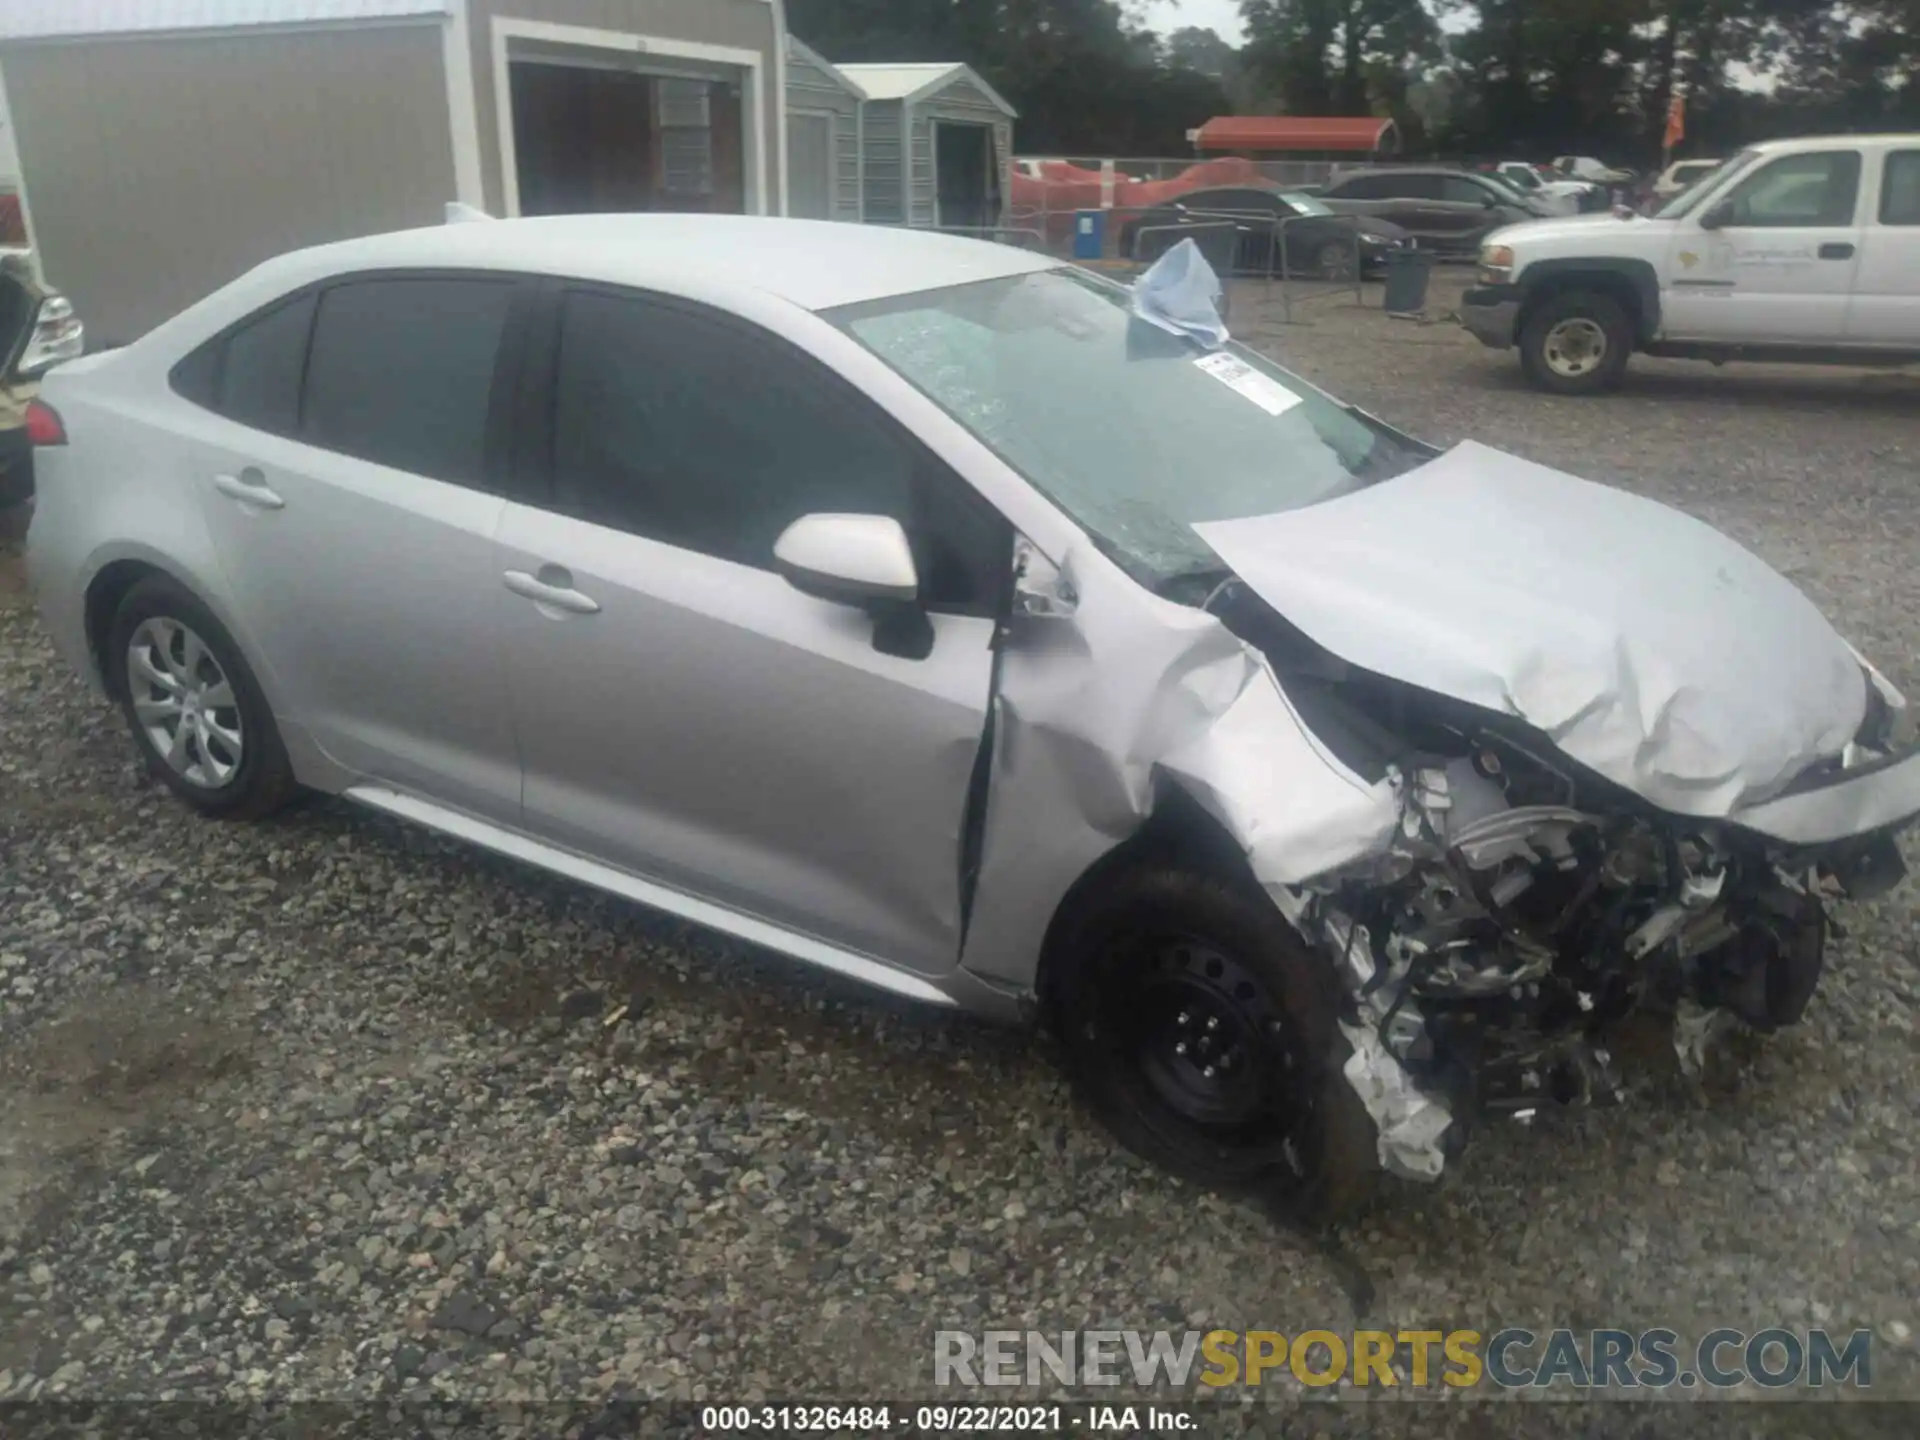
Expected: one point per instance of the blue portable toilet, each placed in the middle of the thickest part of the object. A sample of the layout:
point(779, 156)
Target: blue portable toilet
point(1089, 234)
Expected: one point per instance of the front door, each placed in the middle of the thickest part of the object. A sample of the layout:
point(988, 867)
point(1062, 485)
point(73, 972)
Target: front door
point(344, 482)
point(685, 714)
point(1773, 260)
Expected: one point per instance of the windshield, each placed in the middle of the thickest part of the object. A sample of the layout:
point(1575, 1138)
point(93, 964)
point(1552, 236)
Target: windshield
point(1306, 204)
point(1135, 433)
point(1684, 202)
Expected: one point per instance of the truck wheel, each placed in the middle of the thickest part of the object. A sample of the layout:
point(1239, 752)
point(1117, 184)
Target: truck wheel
point(1576, 343)
point(1202, 1030)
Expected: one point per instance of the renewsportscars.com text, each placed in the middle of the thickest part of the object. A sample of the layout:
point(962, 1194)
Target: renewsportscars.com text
point(1508, 1359)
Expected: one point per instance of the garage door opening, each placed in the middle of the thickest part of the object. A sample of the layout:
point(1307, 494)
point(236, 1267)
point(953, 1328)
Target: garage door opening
point(966, 181)
point(594, 140)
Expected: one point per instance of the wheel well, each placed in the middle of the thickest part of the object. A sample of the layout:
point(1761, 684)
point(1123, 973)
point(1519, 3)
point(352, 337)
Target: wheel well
point(1177, 831)
point(1615, 285)
point(104, 595)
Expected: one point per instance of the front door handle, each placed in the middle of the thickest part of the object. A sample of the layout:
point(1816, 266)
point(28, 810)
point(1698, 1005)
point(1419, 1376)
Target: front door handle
point(553, 586)
point(249, 487)
point(1839, 251)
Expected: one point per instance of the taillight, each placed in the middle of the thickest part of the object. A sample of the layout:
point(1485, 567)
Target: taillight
point(44, 425)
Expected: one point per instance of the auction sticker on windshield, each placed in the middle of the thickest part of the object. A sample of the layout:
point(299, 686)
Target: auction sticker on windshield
point(1269, 394)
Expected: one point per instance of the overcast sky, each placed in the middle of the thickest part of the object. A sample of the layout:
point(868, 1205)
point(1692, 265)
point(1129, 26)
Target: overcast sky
point(1221, 15)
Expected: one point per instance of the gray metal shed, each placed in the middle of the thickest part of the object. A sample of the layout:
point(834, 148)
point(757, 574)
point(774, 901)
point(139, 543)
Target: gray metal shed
point(165, 146)
point(937, 142)
point(823, 138)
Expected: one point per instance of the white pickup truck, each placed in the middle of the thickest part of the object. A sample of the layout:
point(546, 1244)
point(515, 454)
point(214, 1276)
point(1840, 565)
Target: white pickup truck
point(1796, 250)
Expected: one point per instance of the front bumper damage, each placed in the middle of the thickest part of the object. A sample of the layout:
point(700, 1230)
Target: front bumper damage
point(1529, 815)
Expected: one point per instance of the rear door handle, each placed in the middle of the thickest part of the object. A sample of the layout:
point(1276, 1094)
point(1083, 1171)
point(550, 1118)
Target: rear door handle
point(249, 487)
point(552, 586)
point(1841, 251)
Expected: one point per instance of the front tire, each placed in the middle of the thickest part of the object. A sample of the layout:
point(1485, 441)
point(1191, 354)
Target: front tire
point(198, 716)
point(1576, 343)
point(1335, 261)
point(1203, 1032)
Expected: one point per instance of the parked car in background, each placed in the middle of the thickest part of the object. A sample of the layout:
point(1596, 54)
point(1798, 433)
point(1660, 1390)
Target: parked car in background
point(1316, 240)
point(1448, 211)
point(1678, 176)
point(37, 331)
point(1796, 250)
point(1563, 196)
point(1586, 167)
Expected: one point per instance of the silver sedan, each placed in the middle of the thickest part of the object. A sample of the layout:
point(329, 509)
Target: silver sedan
point(923, 609)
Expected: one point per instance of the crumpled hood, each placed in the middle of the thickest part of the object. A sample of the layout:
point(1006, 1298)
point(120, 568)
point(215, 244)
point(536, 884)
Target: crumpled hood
point(1649, 646)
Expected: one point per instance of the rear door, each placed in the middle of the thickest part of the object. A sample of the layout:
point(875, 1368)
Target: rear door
point(345, 461)
point(683, 712)
point(1885, 308)
point(1779, 266)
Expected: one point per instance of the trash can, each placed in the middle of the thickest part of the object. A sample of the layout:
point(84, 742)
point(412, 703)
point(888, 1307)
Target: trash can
point(1408, 272)
point(1089, 234)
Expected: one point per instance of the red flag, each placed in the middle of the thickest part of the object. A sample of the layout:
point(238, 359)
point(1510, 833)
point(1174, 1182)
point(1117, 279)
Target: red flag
point(1676, 121)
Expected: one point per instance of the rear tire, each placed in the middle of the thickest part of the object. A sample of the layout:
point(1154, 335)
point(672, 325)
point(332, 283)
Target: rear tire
point(1203, 1032)
point(198, 716)
point(1576, 343)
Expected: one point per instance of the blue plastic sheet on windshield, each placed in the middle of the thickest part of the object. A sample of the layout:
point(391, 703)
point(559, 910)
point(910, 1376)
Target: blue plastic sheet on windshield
point(1181, 294)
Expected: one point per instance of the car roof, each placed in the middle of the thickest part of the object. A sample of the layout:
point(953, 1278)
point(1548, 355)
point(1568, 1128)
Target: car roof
point(1401, 170)
point(815, 264)
point(1836, 142)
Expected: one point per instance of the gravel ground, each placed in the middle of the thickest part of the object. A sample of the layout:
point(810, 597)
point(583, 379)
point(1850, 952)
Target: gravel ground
point(332, 1108)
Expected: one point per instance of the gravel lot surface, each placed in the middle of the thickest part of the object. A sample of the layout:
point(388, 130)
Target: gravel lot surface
point(332, 1108)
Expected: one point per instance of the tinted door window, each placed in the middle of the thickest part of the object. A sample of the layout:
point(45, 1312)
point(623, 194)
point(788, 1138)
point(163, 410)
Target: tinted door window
point(401, 372)
point(1247, 202)
point(1361, 187)
point(1900, 190)
point(1420, 187)
point(706, 434)
point(252, 375)
point(1462, 191)
point(261, 369)
point(1817, 189)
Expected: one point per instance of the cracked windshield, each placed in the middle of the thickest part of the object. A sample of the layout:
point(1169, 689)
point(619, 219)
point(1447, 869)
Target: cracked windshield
point(1137, 433)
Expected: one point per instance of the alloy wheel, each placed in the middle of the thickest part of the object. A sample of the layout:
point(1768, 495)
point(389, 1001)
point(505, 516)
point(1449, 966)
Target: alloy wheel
point(184, 703)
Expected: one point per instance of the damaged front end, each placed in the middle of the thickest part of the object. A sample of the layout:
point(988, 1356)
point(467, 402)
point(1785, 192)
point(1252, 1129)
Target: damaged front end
point(1523, 906)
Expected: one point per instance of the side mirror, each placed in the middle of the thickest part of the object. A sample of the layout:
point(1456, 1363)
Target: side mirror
point(848, 559)
point(863, 561)
point(1718, 216)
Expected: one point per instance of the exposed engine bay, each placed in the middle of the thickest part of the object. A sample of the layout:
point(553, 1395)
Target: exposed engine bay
point(1526, 905)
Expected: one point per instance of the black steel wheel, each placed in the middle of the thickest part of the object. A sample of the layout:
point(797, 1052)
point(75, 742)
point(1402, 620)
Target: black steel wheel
point(1202, 1030)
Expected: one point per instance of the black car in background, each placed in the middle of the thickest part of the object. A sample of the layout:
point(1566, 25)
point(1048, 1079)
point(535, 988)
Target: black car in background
point(1447, 211)
point(1318, 241)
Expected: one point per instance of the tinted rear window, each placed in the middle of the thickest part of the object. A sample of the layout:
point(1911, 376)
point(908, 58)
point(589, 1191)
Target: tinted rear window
point(401, 372)
point(1900, 191)
point(261, 368)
